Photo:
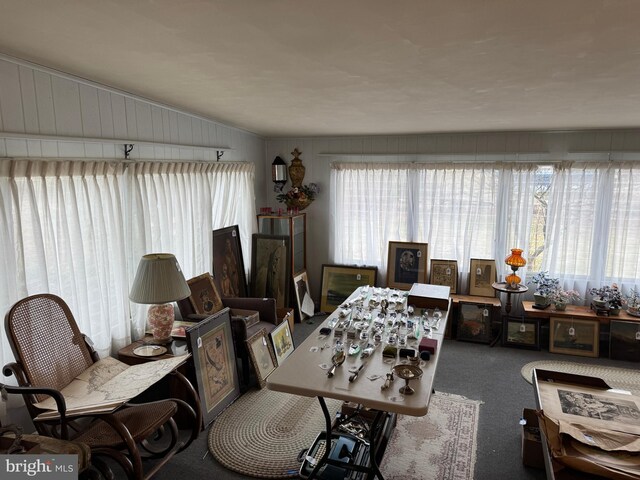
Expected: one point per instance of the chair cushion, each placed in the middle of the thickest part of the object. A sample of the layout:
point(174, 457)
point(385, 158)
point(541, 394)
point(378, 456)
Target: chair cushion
point(141, 421)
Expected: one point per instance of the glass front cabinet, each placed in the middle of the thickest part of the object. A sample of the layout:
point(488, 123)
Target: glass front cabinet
point(292, 226)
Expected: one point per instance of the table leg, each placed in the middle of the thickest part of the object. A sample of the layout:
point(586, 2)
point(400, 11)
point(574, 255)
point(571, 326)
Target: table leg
point(373, 468)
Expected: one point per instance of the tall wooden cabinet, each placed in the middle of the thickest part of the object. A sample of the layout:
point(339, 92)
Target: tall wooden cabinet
point(292, 226)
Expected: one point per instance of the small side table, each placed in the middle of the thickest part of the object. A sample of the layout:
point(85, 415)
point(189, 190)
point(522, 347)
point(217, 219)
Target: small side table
point(503, 287)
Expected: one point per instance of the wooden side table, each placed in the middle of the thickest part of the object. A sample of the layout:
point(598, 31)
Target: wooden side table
point(503, 287)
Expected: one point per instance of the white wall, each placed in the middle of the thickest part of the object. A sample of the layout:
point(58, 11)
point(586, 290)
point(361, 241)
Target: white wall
point(319, 152)
point(45, 113)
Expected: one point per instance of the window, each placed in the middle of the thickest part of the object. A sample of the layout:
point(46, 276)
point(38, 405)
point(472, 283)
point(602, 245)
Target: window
point(580, 221)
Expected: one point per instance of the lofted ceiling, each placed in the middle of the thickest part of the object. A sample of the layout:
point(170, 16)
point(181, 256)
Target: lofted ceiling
point(350, 67)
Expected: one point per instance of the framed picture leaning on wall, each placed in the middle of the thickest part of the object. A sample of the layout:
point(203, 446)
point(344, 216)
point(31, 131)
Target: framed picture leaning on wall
point(282, 342)
point(521, 332)
point(339, 281)
point(482, 274)
point(204, 297)
point(574, 336)
point(228, 265)
point(406, 264)
point(445, 272)
point(262, 356)
point(271, 268)
point(303, 296)
point(474, 322)
point(214, 358)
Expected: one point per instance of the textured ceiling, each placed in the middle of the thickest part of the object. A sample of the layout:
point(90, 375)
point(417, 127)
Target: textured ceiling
point(350, 67)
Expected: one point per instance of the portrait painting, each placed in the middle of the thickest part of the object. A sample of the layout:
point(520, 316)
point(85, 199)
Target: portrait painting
point(482, 275)
point(228, 264)
point(271, 268)
point(445, 272)
point(211, 344)
point(204, 297)
point(406, 264)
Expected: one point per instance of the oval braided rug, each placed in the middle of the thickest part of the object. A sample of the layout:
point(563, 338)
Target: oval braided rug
point(262, 433)
point(623, 378)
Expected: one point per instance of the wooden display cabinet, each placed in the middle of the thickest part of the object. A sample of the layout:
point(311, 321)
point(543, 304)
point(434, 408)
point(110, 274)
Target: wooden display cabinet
point(292, 226)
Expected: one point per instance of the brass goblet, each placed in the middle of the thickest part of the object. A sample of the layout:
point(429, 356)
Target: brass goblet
point(407, 373)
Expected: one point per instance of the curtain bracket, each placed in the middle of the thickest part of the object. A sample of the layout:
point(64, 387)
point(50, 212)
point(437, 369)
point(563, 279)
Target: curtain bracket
point(127, 150)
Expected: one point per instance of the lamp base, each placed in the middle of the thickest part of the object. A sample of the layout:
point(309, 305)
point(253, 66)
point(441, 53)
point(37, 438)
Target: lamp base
point(161, 318)
point(512, 280)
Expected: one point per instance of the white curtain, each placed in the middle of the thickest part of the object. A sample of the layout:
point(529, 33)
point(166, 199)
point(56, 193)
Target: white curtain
point(62, 233)
point(460, 210)
point(176, 206)
point(78, 229)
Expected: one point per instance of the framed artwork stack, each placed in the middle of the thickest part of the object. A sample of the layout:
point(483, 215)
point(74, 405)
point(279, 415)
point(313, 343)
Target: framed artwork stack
point(214, 358)
point(406, 264)
point(339, 281)
point(228, 265)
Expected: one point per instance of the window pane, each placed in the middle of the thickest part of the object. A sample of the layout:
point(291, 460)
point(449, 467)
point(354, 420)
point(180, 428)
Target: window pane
point(623, 256)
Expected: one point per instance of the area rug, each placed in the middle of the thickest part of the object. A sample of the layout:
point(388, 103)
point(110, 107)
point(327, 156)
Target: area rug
point(440, 445)
point(263, 432)
point(623, 378)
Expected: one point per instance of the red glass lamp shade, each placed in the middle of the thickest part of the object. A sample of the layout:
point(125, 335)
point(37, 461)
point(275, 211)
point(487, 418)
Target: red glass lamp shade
point(515, 261)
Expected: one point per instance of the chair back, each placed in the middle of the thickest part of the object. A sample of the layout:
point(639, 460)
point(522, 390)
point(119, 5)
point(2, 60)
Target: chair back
point(46, 341)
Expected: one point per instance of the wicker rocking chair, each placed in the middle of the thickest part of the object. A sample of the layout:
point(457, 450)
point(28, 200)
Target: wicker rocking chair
point(50, 352)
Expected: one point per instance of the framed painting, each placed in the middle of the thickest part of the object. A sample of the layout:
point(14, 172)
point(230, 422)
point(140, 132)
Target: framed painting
point(406, 264)
point(282, 342)
point(624, 340)
point(338, 282)
point(574, 337)
point(228, 266)
point(204, 297)
point(520, 332)
point(262, 356)
point(445, 272)
point(271, 268)
point(211, 344)
point(482, 274)
point(474, 322)
point(303, 297)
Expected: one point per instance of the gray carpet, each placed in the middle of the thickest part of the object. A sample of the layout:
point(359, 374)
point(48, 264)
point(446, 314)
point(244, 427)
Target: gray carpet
point(476, 371)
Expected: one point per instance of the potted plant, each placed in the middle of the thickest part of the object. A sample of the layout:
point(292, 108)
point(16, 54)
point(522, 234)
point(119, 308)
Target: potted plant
point(544, 286)
point(632, 302)
point(607, 297)
point(561, 297)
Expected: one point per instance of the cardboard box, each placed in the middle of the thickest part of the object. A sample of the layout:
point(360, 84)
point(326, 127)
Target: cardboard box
point(285, 313)
point(531, 441)
point(424, 295)
point(249, 317)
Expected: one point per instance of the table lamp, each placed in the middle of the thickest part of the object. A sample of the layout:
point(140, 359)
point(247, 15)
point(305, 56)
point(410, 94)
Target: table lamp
point(158, 282)
point(515, 261)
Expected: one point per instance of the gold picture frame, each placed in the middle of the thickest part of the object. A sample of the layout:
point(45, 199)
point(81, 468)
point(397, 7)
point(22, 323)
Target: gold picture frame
point(482, 275)
point(444, 272)
point(204, 297)
point(282, 342)
point(407, 264)
point(262, 356)
point(340, 281)
point(574, 336)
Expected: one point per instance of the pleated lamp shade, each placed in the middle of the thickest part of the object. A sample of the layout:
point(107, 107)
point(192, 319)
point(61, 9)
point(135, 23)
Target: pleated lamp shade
point(159, 279)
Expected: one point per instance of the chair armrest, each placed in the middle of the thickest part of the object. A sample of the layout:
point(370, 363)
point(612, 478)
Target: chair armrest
point(266, 307)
